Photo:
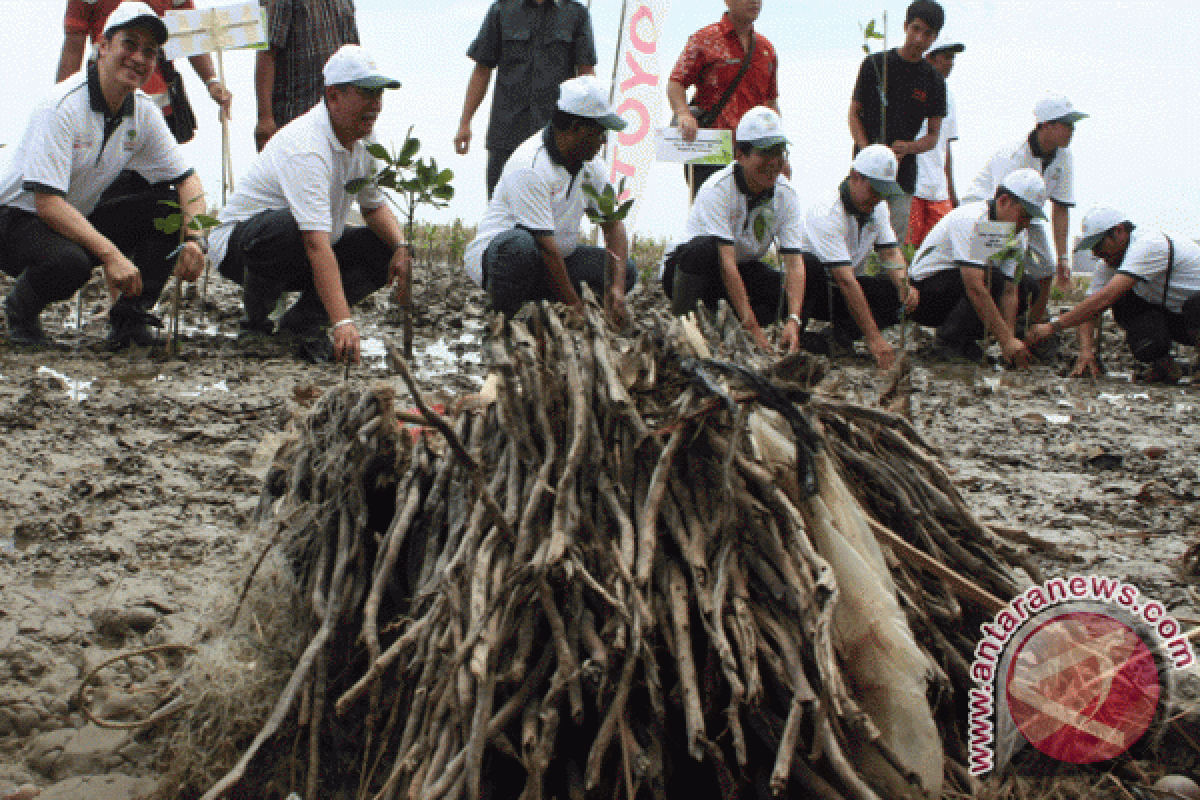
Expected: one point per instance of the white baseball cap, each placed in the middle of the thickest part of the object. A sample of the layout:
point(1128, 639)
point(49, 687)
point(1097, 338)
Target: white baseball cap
point(946, 42)
point(352, 64)
point(760, 127)
point(1096, 225)
point(1056, 108)
point(585, 96)
point(132, 14)
point(877, 163)
point(1030, 190)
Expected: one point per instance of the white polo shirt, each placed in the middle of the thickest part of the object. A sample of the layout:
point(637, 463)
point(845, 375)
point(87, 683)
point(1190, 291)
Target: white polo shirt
point(949, 245)
point(536, 192)
point(1146, 260)
point(73, 148)
point(837, 238)
point(303, 169)
point(723, 209)
point(1060, 185)
point(931, 165)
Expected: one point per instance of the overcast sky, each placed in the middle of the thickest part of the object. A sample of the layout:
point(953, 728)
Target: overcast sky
point(1131, 65)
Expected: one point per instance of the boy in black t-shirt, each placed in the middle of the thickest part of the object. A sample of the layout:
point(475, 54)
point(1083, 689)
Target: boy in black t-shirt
point(915, 93)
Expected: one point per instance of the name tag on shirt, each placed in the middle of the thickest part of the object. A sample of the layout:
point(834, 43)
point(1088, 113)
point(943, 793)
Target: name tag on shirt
point(991, 237)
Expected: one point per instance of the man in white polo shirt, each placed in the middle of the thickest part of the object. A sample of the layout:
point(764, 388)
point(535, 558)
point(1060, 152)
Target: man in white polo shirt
point(738, 212)
point(527, 247)
point(953, 270)
point(53, 226)
point(1150, 280)
point(1045, 150)
point(284, 229)
point(839, 237)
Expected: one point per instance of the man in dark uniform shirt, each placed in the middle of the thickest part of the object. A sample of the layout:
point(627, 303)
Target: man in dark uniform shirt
point(536, 45)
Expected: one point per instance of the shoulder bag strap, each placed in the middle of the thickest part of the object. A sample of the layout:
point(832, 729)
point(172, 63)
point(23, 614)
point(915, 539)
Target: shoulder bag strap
point(716, 110)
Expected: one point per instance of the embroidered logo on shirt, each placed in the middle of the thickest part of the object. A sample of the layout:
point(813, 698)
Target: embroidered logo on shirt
point(920, 95)
point(130, 139)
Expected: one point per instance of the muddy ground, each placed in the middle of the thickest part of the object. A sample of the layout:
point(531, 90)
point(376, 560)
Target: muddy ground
point(126, 480)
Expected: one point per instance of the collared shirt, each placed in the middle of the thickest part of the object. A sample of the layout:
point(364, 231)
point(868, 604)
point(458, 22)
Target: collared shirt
point(88, 17)
point(710, 61)
point(539, 193)
point(305, 170)
point(1146, 260)
point(304, 34)
point(931, 165)
point(725, 209)
point(75, 148)
point(1057, 171)
point(838, 235)
point(950, 245)
point(533, 48)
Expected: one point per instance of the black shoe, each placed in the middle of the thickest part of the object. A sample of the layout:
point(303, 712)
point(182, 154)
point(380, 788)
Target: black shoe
point(968, 352)
point(315, 348)
point(255, 333)
point(131, 326)
point(24, 329)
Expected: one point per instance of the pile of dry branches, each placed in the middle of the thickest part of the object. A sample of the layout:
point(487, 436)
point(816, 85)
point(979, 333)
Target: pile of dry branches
point(636, 565)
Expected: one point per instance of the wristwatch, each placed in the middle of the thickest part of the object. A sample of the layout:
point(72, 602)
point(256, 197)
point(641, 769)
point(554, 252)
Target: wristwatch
point(1055, 324)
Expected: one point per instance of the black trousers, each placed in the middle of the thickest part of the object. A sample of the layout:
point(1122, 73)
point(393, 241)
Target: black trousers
point(54, 267)
point(1150, 328)
point(699, 259)
point(269, 246)
point(945, 305)
point(820, 288)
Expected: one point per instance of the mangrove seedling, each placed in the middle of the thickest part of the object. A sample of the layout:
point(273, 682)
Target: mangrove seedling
point(415, 182)
point(199, 224)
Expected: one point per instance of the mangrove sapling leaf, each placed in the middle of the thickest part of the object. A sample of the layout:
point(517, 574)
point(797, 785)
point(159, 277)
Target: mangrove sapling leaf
point(605, 209)
point(173, 223)
point(415, 183)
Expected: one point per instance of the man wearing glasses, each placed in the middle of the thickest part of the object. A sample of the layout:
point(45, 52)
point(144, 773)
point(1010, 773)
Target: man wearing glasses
point(56, 226)
point(1151, 282)
point(738, 212)
point(1045, 150)
point(839, 237)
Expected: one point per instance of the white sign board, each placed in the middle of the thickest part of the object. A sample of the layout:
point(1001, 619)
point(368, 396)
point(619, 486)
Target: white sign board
point(991, 237)
point(205, 30)
point(710, 146)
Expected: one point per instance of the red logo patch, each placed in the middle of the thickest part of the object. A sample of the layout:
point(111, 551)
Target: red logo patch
point(1083, 688)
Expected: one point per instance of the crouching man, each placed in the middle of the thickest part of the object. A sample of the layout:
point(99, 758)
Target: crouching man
point(1150, 280)
point(63, 210)
point(527, 246)
point(738, 212)
point(284, 229)
point(952, 272)
point(839, 236)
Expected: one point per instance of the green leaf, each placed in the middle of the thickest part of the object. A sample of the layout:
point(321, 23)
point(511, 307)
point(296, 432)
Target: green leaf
point(170, 203)
point(357, 185)
point(623, 211)
point(378, 151)
point(411, 146)
point(168, 224)
point(202, 222)
point(444, 177)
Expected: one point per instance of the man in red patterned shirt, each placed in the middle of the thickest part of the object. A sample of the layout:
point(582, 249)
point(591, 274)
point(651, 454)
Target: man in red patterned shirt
point(711, 61)
point(85, 19)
